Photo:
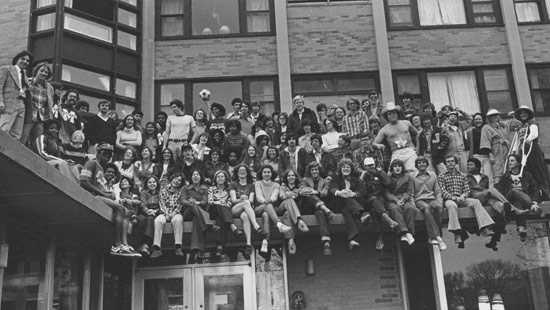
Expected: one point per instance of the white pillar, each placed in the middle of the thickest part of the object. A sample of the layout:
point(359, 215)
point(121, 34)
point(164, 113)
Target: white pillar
point(283, 56)
point(383, 51)
point(438, 279)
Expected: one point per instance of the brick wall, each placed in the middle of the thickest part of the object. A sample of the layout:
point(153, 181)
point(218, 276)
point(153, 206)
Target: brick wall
point(223, 57)
point(435, 48)
point(331, 38)
point(365, 279)
point(14, 28)
point(534, 40)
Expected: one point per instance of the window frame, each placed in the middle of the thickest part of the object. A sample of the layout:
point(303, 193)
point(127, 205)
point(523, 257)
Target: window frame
point(544, 13)
point(532, 91)
point(189, 96)
point(334, 77)
point(480, 82)
point(187, 22)
point(468, 10)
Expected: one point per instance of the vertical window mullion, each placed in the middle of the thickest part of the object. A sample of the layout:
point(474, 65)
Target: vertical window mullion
point(187, 18)
point(482, 90)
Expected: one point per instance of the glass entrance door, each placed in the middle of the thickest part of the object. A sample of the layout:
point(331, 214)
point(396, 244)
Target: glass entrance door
point(223, 288)
point(166, 289)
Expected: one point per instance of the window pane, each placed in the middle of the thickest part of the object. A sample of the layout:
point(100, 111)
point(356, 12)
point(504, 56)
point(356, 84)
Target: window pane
point(123, 110)
point(354, 84)
point(312, 86)
point(399, 2)
point(500, 100)
point(88, 28)
point(401, 16)
point(43, 3)
point(496, 80)
point(485, 19)
point(222, 92)
point(527, 12)
point(167, 292)
point(132, 2)
point(540, 78)
point(172, 26)
point(542, 100)
point(457, 89)
point(168, 7)
point(441, 12)
point(257, 5)
point(103, 9)
point(127, 40)
point(215, 17)
point(126, 88)
point(169, 92)
point(408, 83)
point(93, 101)
point(68, 279)
point(262, 91)
point(518, 272)
point(483, 8)
point(258, 22)
point(45, 22)
point(85, 78)
point(127, 18)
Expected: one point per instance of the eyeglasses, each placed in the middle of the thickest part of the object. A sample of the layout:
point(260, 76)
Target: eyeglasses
point(107, 153)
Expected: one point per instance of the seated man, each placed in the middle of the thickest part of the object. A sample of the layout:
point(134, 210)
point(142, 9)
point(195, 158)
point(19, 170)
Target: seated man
point(522, 191)
point(375, 181)
point(456, 193)
point(326, 161)
point(187, 163)
point(313, 190)
point(95, 180)
point(479, 187)
point(427, 197)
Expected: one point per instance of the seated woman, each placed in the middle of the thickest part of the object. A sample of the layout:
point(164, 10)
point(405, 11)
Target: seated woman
point(126, 165)
point(125, 197)
point(272, 158)
point(252, 160)
point(170, 212)
point(145, 167)
point(213, 165)
point(200, 150)
point(150, 140)
point(347, 189)
point(194, 200)
point(330, 139)
point(48, 146)
point(291, 214)
point(399, 201)
point(149, 198)
point(241, 192)
point(73, 152)
point(165, 168)
point(313, 192)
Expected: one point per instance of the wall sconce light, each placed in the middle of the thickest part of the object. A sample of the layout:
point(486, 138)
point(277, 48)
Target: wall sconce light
point(310, 266)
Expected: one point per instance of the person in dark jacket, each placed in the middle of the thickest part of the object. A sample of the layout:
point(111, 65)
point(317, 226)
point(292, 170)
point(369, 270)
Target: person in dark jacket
point(400, 203)
point(325, 160)
point(187, 163)
point(432, 142)
point(292, 157)
point(300, 114)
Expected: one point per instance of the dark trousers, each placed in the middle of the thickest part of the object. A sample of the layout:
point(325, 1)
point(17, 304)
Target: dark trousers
point(307, 206)
point(201, 222)
point(145, 227)
point(351, 209)
point(432, 211)
point(224, 220)
point(403, 215)
point(375, 205)
point(521, 201)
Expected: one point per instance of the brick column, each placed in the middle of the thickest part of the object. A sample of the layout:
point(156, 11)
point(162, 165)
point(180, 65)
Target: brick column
point(383, 51)
point(283, 56)
point(515, 49)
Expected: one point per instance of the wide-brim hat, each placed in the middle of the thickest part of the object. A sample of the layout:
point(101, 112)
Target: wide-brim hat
point(493, 112)
point(526, 109)
point(390, 107)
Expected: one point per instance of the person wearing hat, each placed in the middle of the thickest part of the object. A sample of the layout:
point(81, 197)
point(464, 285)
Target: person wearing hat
point(457, 140)
point(74, 152)
point(376, 180)
point(94, 178)
point(367, 150)
point(13, 88)
point(495, 139)
point(218, 121)
point(528, 132)
point(398, 135)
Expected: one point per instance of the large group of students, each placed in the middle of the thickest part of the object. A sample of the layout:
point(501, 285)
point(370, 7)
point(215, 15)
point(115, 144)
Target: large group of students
point(372, 162)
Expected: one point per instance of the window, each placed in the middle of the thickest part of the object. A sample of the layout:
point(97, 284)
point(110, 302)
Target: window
point(126, 88)
point(127, 18)
point(88, 28)
point(264, 93)
point(126, 40)
point(187, 18)
point(45, 22)
point(43, 3)
point(169, 92)
point(222, 92)
point(99, 8)
point(471, 90)
point(330, 85)
point(540, 89)
point(86, 78)
point(529, 11)
point(431, 13)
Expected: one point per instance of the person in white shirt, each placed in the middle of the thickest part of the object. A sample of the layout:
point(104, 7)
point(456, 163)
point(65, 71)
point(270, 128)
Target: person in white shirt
point(178, 128)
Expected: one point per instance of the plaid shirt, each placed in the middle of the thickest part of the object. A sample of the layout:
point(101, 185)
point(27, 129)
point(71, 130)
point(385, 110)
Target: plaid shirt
point(453, 185)
point(356, 124)
point(170, 202)
point(368, 151)
point(39, 101)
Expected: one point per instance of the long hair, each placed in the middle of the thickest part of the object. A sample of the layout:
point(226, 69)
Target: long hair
point(145, 188)
point(249, 178)
point(172, 159)
point(226, 184)
point(154, 131)
point(284, 177)
point(251, 161)
point(276, 154)
point(124, 122)
point(190, 177)
point(345, 161)
point(261, 170)
point(312, 165)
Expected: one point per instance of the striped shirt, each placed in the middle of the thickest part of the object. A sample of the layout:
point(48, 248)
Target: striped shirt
point(355, 124)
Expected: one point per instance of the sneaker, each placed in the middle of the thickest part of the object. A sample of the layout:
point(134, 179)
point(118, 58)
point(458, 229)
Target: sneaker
point(441, 244)
point(353, 245)
point(219, 252)
point(330, 215)
point(433, 241)
point(404, 239)
point(389, 220)
point(156, 253)
point(116, 250)
point(214, 228)
point(133, 219)
point(535, 208)
point(410, 238)
point(237, 233)
point(522, 233)
point(365, 219)
point(144, 249)
point(302, 226)
point(283, 228)
point(128, 251)
point(263, 249)
point(379, 244)
point(291, 247)
point(178, 252)
point(327, 250)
